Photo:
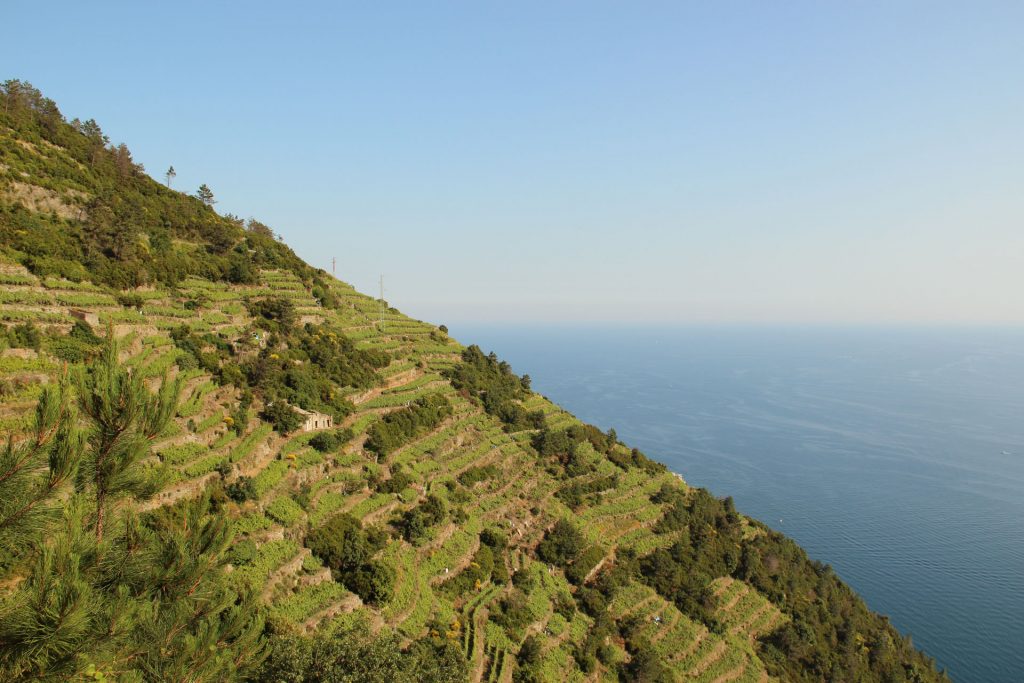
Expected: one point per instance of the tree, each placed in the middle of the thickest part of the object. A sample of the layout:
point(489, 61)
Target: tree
point(125, 418)
point(148, 600)
point(205, 195)
point(561, 544)
point(343, 545)
point(171, 174)
point(33, 471)
point(258, 228)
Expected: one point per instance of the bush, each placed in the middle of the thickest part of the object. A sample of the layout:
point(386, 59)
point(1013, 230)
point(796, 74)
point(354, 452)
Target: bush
point(477, 474)
point(130, 300)
point(414, 523)
point(284, 418)
point(23, 336)
point(241, 490)
point(397, 483)
point(401, 426)
point(330, 441)
point(561, 544)
point(342, 544)
point(493, 384)
point(578, 570)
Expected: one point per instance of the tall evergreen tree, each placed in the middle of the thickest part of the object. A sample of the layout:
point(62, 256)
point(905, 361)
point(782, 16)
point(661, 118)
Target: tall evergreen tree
point(33, 470)
point(111, 593)
point(205, 195)
point(124, 419)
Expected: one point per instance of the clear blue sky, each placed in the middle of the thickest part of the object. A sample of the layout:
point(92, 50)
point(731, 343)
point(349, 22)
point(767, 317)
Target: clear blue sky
point(600, 161)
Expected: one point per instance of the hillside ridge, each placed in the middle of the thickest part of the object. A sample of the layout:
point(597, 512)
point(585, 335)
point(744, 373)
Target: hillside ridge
point(449, 518)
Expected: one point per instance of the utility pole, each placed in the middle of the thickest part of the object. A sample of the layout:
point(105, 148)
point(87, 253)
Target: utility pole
point(382, 303)
point(334, 266)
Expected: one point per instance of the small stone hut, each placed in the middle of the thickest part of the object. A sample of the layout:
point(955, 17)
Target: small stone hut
point(314, 420)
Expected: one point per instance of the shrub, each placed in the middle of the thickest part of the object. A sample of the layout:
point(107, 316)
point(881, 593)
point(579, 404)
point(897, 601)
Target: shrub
point(397, 483)
point(399, 427)
point(342, 544)
point(241, 490)
point(284, 418)
point(414, 523)
point(330, 441)
point(561, 544)
point(578, 570)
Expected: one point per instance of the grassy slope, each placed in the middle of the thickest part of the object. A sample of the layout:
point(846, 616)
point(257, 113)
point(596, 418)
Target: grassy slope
point(295, 587)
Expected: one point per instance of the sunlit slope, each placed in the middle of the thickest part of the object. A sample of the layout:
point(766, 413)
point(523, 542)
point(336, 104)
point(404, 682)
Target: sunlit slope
point(546, 549)
point(517, 495)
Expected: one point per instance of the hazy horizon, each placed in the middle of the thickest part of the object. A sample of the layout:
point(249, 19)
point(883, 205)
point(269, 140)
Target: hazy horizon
point(748, 163)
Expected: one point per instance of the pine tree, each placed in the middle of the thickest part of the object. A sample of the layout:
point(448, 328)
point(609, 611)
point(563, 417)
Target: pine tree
point(33, 470)
point(125, 417)
point(170, 175)
point(111, 593)
point(205, 195)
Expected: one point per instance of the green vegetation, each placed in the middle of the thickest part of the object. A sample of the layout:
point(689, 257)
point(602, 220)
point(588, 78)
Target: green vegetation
point(399, 427)
point(470, 529)
point(342, 544)
point(492, 383)
point(111, 223)
point(87, 564)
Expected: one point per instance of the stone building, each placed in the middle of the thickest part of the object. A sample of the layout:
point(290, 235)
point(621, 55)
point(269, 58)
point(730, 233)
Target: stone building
point(314, 420)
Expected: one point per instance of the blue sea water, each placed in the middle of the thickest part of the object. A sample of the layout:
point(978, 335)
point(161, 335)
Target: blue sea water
point(894, 454)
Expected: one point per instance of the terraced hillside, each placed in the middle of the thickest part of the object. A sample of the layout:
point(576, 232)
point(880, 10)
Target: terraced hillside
point(485, 516)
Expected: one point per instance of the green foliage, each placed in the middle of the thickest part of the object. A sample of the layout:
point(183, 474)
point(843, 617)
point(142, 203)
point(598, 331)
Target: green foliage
point(472, 577)
point(477, 474)
point(330, 441)
point(401, 426)
point(241, 490)
point(309, 368)
point(33, 471)
point(122, 228)
point(176, 455)
point(284, 418)
point(396, 483)
point(247, 445)
point(353, 654)
point(414, 523)
point(269, 477)
point(125, 416)
point(276, 314)
point(513, 613)
point(342, 544)
point(577, 492)
point(496, 387)
point(561, 544)
point(79, 345)
point(23, 336)
point(582, 565)
point(285, 511)
point(106, 591)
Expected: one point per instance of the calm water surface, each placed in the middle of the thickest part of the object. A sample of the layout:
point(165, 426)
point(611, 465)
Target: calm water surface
point(895, 455)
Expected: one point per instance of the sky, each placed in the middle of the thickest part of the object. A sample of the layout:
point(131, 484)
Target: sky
point(610, 162)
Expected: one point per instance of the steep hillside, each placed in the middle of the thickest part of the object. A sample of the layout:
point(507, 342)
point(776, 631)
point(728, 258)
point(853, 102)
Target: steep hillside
point(408, 497)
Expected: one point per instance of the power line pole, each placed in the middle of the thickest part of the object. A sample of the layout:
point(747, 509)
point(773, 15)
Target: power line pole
point(382, 303)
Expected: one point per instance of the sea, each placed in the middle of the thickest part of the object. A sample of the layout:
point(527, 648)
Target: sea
point(894, 454)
